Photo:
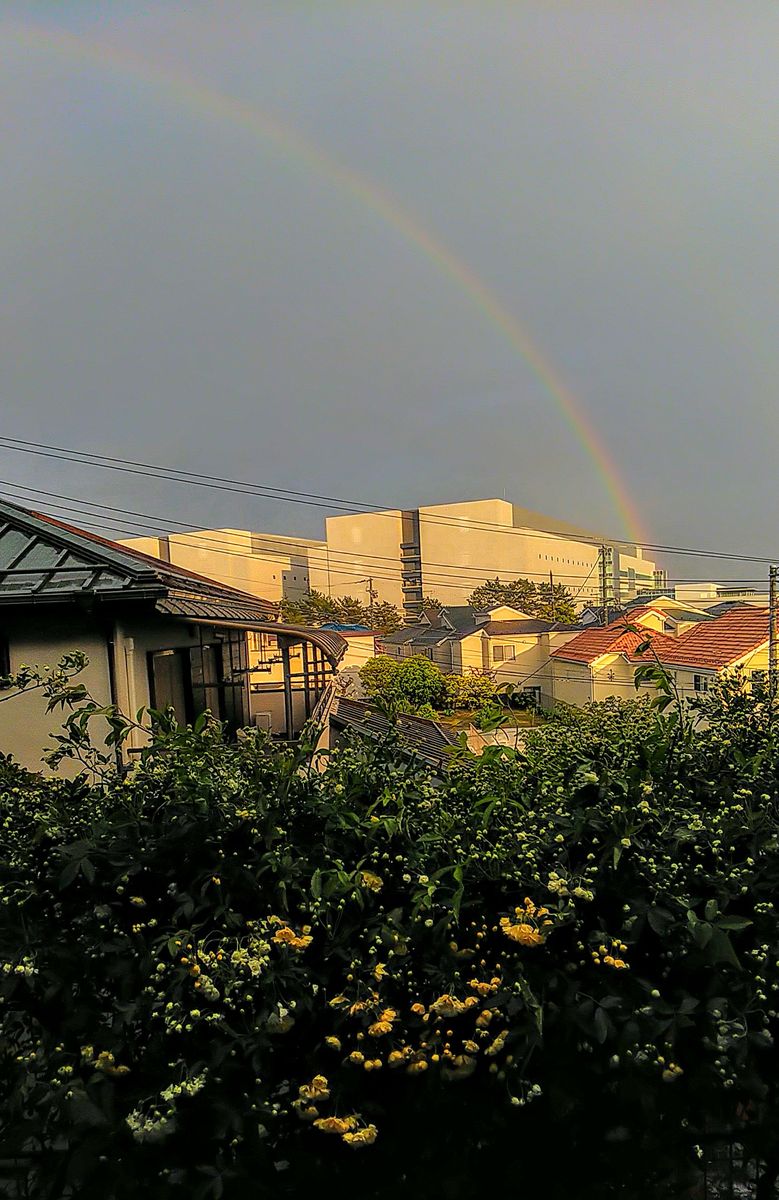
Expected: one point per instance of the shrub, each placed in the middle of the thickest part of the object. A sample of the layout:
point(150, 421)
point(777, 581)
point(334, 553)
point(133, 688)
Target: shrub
point(415, 680)
point(228, 973)
point(468, 691)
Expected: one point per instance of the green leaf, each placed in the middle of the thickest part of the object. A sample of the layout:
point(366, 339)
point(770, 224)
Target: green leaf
point(711, 910)
point(721, 949)
point(601, 1025)
point(316, 884)
point(734, 923)
point(660, 919)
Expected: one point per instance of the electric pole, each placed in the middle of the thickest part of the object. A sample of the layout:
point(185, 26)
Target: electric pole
point(371, 597)
point(606, 561)
point(551, 596)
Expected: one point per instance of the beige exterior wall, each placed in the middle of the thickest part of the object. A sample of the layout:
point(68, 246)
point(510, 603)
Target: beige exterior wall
point(459, 553)
point(271, 566)
point(358, 650)
point(40, 640)
point(571, 682)
point(360, 546)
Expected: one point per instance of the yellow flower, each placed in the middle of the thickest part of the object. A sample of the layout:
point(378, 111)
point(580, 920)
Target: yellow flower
point(380, 970)
point(335, 1124)
point(305, 1111)
point(358, 1007)
point(672, 1072)
point(333, 1042)
point(496, 1046)
point(337, 1001)
point(398, 1057)
point(287, 937)
point(418, 1009)
point(484, 1018)
point(447, 1006)
point(523, 933)
point(361, 1137)
point(317, 1089)
point(374, 883)
point(357, 1056)
point(388, 1014)
point(380, 1028)
point(471, 1047)
point(138, 901)
point(416, 1068)
point(460, 1067)
point(483, 989)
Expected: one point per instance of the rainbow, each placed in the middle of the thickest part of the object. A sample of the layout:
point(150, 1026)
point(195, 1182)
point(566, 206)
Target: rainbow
point(290, 142)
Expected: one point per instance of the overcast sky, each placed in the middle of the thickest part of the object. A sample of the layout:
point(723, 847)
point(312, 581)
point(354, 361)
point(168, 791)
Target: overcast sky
point(180, 286)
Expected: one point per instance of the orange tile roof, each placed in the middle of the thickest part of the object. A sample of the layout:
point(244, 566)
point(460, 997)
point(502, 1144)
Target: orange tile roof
point(610, 639)
point(710, 645)
point(716, 644)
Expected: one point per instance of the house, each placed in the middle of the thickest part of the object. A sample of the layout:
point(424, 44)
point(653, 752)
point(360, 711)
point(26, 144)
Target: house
point(156, 635)
point(511, 645)
point(360, 644)
point(735, 640)
point(601, 661)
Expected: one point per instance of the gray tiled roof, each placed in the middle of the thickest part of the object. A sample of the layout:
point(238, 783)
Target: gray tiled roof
point(43, 560)
point(427, 739)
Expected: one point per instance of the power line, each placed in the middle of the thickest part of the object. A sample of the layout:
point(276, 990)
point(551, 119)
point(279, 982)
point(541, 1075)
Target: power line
point(176, 475)
point(100, 522)
point(284, 543)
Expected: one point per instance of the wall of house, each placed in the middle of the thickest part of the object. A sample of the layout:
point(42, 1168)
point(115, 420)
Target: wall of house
point(40, 638)
point(359, 648)
point(571, 682)
point(614, 676)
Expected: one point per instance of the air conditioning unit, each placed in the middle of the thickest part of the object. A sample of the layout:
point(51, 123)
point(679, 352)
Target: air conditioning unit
point(263, 720)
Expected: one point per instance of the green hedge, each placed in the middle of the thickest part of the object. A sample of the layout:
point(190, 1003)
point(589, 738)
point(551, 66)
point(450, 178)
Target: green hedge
point(552, 974)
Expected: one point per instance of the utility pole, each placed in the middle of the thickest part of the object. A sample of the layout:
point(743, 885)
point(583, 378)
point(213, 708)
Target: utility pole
point(606, 560)
point(551, 596)
point(772, 646)
point(371, 597)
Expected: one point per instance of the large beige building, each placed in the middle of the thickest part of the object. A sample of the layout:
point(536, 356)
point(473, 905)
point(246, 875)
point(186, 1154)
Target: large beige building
point(270, 565)
point(447, 550)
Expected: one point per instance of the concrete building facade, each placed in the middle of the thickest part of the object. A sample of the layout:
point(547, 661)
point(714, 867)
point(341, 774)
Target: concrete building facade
point(447, 550)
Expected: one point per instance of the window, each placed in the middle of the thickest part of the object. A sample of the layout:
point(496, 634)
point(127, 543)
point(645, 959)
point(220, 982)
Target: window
point(503, 653)
point(700, 683)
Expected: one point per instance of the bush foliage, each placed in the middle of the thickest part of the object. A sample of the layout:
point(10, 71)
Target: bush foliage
point(552, 973)
point(416, 684)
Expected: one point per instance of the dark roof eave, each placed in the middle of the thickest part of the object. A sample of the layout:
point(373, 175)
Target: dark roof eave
point(36, 598)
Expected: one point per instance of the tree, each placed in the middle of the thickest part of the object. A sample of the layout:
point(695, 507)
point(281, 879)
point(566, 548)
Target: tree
point(555, 604)
point(315, 608)
point(537, 600)
point(386, 617)
point(518, 593)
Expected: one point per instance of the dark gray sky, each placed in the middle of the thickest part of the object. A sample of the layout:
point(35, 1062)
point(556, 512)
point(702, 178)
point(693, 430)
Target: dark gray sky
point(181, 287)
